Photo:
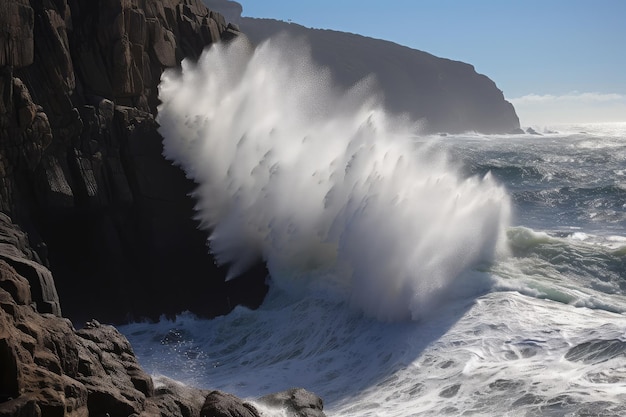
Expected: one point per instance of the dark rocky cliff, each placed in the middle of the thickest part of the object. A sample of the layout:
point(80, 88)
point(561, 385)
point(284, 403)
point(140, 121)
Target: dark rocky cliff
point(448, 96)
point(80, 158)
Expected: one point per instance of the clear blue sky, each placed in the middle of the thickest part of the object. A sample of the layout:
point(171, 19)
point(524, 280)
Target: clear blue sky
point(567, 56)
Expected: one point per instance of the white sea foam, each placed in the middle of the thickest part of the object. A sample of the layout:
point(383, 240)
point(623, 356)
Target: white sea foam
point(323, 186)
point(503, 354)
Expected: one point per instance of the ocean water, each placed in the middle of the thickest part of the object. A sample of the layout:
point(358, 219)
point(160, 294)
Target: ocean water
point(411, 274)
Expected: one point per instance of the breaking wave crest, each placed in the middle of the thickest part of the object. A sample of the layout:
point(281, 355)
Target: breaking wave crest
point(328, 189)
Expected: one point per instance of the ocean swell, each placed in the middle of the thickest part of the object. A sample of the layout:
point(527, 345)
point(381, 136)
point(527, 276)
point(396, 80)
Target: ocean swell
point(328, 189)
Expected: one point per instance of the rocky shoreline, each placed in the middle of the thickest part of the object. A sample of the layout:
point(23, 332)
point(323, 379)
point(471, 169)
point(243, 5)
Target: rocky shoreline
point(51, 369)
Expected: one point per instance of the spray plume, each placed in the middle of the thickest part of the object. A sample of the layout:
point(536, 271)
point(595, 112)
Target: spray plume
point(324, 186)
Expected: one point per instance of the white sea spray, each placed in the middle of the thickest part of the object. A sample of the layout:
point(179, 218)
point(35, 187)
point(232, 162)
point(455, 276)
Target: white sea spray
point(324, 186)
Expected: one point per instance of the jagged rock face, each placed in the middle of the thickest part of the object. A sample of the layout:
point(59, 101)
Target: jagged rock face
point(49, 368)
point(121, 48)
point(35, 284)
point(16, 33)
point(80, 157)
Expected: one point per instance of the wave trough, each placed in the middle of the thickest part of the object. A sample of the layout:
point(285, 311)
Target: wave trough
point(329, 190)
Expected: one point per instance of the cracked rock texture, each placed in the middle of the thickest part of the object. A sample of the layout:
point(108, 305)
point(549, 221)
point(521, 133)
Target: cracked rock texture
point(81, 168)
